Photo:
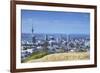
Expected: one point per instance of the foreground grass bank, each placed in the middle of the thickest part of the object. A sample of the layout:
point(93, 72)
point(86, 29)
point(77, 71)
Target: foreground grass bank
point(44, 57)
point(35, 55)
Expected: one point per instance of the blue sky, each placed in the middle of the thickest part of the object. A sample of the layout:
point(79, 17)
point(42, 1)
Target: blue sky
point(55, 22)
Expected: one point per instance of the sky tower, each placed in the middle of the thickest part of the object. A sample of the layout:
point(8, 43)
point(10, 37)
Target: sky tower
point(33, 35)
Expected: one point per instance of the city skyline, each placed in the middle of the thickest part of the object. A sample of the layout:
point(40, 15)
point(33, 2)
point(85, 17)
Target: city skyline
point(55, 22)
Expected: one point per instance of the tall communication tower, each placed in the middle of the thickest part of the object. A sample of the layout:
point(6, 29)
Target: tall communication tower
point(33, 35)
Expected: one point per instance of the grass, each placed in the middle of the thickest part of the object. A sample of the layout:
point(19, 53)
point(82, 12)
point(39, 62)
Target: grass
point(35, 55)
point(62, 56)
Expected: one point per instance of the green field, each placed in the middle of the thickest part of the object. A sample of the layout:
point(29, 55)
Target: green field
point(35, 55)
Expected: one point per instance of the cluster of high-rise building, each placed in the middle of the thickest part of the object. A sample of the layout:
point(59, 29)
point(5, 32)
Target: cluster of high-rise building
point(52, 44)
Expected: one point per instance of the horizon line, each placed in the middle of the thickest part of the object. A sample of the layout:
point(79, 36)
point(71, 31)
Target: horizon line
point(56, 33)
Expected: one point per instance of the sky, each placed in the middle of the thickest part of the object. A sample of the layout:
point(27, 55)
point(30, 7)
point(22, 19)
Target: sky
point(55, 22)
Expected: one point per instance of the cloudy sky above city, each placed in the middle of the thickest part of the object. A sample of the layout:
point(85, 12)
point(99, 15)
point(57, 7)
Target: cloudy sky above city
point(55, 22)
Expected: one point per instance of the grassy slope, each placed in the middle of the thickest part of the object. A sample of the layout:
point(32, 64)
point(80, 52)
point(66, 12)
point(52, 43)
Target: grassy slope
point(62, 57)
point(35, 55)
